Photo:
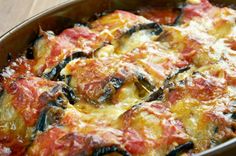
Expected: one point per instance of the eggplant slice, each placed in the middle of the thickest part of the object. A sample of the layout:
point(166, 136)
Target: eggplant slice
point(174, 75)
point(181, 148)
point(156, 95)
point(116, 83)
point(145, 82)
point(110, 88)
point(69, 93)
point(136, 36)
point(1, 90)
point(29, 54)
point(233, 116)
point(54, 73)
point(159, 94)
point(52, 113)
point(9, 57)
point(102, 151)
point(65, 78)
point(178, 19)
point(48, 116)
point(156, 28)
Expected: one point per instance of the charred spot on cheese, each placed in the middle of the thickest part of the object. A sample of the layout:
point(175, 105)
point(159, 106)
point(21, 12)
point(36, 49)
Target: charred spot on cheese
point(97, 16)
point(55, 71)
point(116, 82)
point(101, 151)
point(83, 24)
point(181, 148)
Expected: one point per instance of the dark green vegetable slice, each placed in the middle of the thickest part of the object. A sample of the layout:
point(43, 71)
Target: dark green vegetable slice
point(157, 29)
point(49, 115)
point(156, 95)
point(143, 80)
point(159, 94)
point(181, 148)
point(114, 83)
point(1, 90)
point(69, 93)
point(54, 73)
point(101, 151)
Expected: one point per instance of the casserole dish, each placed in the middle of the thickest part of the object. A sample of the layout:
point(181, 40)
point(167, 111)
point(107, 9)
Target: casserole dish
point(20, 38)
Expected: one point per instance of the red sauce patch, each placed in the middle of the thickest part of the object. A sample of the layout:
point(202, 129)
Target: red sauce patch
point(181, 63)
point(205, 89)
point(116, 23)
point(26, 94)
point(126, 14)
point(73, 144)
point(58, 141)
point(172, 132)
point(159, 15)
point(12, 145)
point(225, 126)
point(134, 144)
point(191, 48)
point(91, 77)
point(195, 10)
point(174, 96)
point(232, 44)
point(21, 66)
point(78, 32)
point(46, 142)
point(69, 39)
point(200, 88)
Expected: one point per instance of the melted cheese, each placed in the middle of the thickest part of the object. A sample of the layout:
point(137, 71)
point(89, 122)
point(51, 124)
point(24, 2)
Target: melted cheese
point(192, 63)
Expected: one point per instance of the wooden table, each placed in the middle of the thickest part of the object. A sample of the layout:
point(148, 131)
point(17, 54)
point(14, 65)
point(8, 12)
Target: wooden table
point(12, 12)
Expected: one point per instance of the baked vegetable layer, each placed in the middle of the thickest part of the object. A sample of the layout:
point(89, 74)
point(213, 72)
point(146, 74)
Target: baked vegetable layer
point(158, 82)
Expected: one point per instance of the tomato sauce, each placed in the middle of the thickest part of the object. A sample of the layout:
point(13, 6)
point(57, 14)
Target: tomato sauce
point(160, 15)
